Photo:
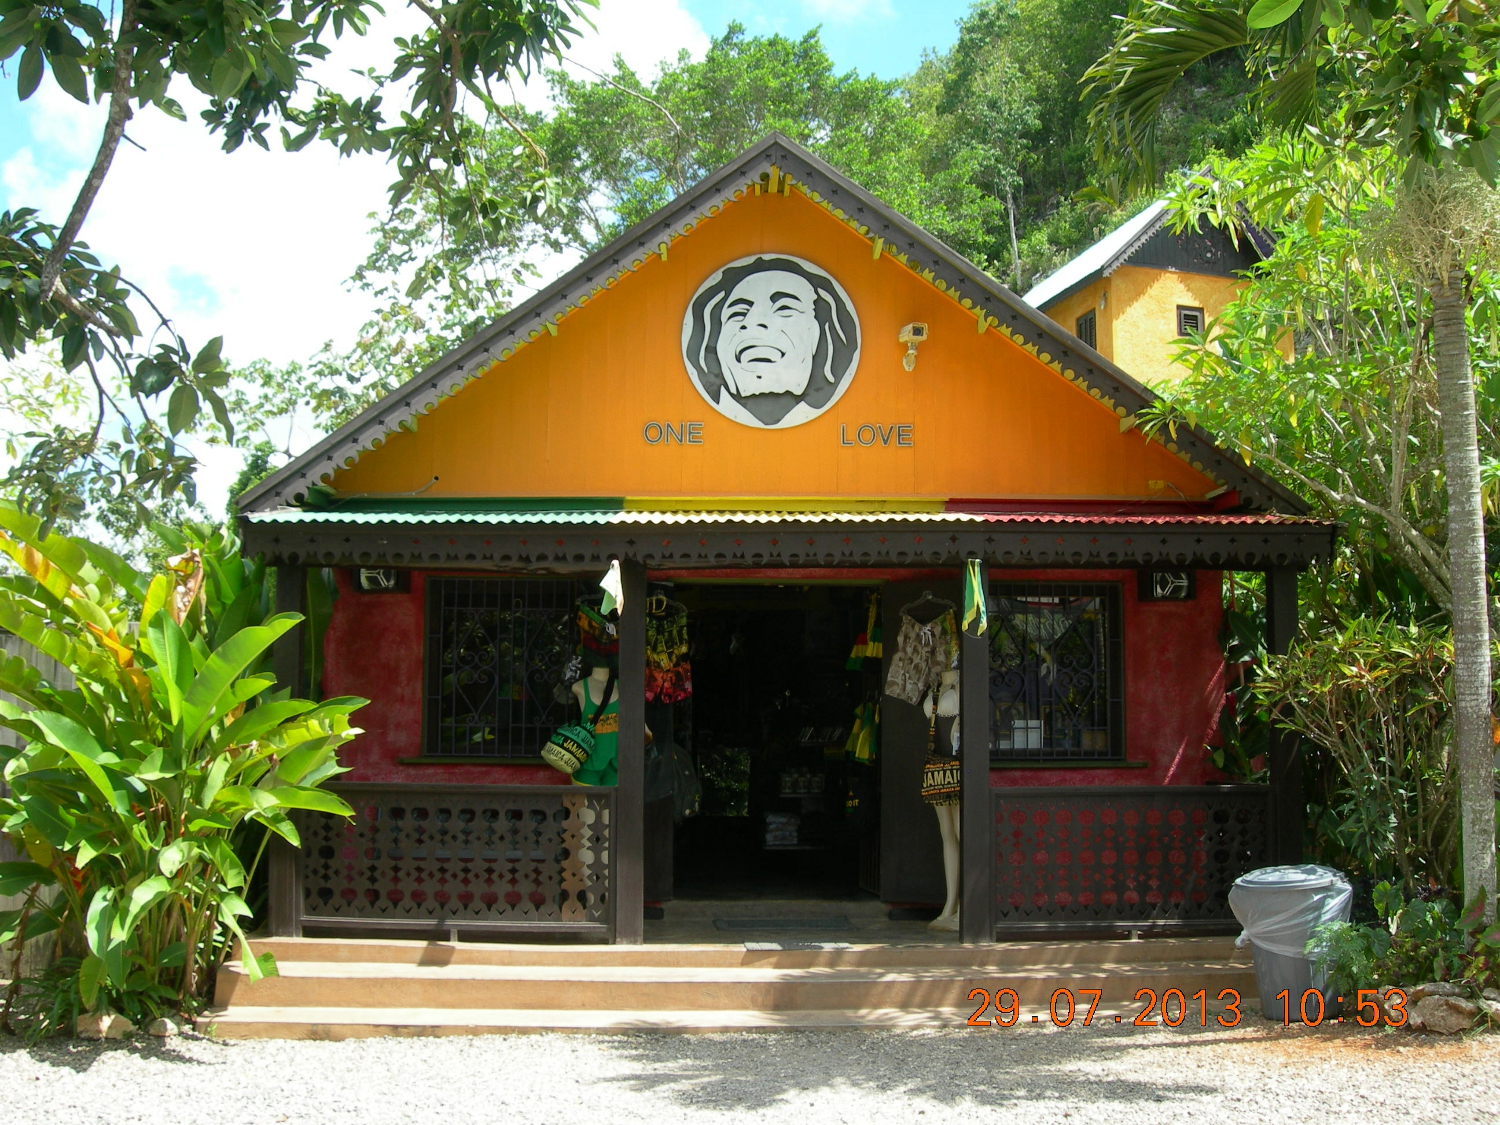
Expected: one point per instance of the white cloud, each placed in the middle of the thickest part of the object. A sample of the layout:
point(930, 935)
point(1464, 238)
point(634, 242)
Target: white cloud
point(643, 31)
point(254, 245)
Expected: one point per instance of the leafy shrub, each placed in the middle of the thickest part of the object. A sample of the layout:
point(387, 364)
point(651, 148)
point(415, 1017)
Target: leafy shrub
point(1244, 725)
point(48, 1004)
point(131, 789)
point(1420, 940)
point(1373, 695)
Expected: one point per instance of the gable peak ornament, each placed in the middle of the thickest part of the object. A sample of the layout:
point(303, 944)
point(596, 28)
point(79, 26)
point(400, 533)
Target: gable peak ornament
point(771, 341)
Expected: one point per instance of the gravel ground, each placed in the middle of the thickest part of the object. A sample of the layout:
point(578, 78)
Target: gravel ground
point(1257, 1075)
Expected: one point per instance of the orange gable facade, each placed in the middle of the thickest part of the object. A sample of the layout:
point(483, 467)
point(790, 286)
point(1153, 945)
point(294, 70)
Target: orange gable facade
point(605, 407)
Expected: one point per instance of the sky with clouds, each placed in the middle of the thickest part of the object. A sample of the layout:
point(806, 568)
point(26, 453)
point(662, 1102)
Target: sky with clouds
point(257, 245)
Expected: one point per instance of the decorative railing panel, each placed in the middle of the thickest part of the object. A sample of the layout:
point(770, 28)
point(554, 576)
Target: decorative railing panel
point(1106, 855)
point(533, 857)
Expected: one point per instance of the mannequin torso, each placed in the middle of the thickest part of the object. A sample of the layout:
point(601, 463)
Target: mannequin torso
point(594, 684)
point(601, 768)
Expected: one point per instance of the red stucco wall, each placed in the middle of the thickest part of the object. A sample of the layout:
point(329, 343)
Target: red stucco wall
point(374, 648)
point(1174, 686)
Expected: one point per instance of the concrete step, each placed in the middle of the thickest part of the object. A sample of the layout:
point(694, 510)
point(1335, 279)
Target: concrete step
point(608, 988)
point(361, 1023)
point(1013, 954)
point(256, 1022)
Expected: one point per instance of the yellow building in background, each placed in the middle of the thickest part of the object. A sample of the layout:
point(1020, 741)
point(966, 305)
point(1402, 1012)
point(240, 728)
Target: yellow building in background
point(1136, 292)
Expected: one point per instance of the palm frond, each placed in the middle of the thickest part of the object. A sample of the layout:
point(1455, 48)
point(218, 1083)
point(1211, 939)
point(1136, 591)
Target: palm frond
point(1157, 45)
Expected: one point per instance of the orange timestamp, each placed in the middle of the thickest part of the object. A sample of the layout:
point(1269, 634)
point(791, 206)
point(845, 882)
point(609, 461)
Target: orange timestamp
point(1172, 1008)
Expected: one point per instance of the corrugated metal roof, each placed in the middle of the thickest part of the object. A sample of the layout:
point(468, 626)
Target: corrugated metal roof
point(616, 518)
point(1096, 259)
point(600, 518)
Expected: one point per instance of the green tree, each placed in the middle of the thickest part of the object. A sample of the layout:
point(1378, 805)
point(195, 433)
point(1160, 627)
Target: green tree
point(617, 146)
point(252, 60)
point(1425, 83)
point(1008, 89)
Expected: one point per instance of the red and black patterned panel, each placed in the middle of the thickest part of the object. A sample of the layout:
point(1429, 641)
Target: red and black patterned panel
point(1105, 854)
point(520, 855)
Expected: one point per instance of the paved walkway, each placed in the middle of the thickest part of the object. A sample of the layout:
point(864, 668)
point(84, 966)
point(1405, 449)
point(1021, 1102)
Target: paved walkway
point(1260, 1074)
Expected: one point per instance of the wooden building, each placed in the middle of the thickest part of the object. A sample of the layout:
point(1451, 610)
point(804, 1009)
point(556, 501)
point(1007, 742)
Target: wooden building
point(777, 403)
point(1134, 294)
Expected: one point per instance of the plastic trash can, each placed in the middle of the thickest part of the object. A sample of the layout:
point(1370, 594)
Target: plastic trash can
point(1279, 908)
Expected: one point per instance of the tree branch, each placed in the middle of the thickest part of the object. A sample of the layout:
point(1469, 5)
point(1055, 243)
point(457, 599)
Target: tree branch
point(114, 129)
point(633, 93)
point(81, 311)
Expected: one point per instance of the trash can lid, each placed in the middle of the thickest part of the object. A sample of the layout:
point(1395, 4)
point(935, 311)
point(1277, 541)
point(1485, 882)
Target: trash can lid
point(1300, 876)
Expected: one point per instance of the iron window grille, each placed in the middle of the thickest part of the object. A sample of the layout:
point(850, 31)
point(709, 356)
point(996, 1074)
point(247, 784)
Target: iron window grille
point(1086, 329)
point(497, 649)
point(1189, 320)
point(1056, 672)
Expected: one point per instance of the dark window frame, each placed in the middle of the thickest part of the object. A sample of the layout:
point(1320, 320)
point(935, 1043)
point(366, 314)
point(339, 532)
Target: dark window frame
point(494, 724)
point(1025, 687)
point(1086, 328)
point(1190, 310)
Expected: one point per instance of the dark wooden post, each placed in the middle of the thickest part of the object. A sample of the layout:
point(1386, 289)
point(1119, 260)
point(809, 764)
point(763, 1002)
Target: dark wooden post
point(1288, 805)
point(284, 874)
point(976, 823)
point(628, 816)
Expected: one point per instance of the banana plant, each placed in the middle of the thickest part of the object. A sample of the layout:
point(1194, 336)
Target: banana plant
point(145, 795)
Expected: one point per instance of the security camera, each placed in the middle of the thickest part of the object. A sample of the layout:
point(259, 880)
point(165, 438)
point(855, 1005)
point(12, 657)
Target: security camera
point(911, 335)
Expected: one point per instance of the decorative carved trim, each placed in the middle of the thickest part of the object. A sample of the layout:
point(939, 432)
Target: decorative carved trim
point(566, 549)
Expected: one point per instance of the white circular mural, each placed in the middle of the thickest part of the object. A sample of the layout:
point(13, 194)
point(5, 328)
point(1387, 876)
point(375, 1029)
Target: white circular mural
point(771, 341)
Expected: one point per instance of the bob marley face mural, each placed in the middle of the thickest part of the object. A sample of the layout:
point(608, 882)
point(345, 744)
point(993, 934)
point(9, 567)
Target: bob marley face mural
point(771, 341)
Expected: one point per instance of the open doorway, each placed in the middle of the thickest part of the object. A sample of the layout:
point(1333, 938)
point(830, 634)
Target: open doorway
point(779, 727)
point(812, 825)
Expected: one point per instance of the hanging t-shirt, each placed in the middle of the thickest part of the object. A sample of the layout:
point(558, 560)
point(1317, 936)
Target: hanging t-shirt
point(923, 653)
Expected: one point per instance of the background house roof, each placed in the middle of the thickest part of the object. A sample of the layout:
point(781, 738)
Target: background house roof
point(1099, 259)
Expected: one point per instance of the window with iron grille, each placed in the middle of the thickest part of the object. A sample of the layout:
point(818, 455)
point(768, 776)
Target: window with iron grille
point(1056, 672)
point(1189, 320)
point(1084, 328)
point(496, 652)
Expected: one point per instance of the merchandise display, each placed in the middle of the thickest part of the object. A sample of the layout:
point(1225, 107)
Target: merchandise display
point(669, 673)
point(572, 745)
point(598, 635)
point(940, 770)
point(782, 830)
point(924, 651)
point(864, 737)
point(924, 672)
point(869, 645)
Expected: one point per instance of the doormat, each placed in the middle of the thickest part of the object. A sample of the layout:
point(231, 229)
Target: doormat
point(833, 922)
point(783, 946)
